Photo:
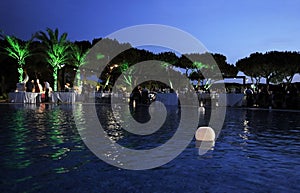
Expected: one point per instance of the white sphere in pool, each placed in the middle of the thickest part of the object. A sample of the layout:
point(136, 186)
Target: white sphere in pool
point(205, 134)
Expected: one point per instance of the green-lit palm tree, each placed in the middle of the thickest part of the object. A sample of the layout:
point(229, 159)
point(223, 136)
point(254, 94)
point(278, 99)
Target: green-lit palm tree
point(17, 50)
point(127, 73)
point(167, 66)
point(198, 67)
point(58, 51)
point(78, 57)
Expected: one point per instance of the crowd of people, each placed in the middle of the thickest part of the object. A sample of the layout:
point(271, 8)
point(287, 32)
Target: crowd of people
point(36, 87)
point(45, 90)
point(281, 96)
point(263, 96)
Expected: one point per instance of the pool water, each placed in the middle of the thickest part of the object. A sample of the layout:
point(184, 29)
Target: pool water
point(41, 151)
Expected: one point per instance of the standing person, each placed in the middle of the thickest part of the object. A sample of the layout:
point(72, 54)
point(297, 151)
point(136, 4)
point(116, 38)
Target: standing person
point(136, 95)
point(30, 86)
point(67, 87)
point(249, 96)
point(38, 86)
point(144, 95)
point(47, 89)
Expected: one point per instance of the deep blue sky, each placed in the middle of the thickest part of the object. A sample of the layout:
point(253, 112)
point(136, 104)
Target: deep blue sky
point(233, 28)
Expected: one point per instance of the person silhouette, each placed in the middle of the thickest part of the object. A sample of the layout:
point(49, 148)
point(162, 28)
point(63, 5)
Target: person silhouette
point(46, 89)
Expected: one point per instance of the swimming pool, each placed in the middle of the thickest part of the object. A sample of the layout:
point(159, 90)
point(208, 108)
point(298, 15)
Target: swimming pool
point(42, 151)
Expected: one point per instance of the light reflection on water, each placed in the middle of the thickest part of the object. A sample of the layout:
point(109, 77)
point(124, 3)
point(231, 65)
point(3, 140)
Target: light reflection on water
point(41, 151)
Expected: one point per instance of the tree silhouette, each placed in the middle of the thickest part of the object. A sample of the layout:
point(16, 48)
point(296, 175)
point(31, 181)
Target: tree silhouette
point(286, 65)
point(275, 66)
point(57, 50)
point(249, 68)
point(203, 66)
point(185, 63)
point(169, 59)
point(226, 69)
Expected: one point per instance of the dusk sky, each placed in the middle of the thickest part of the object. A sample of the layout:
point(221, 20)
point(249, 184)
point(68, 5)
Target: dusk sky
point(233, 28)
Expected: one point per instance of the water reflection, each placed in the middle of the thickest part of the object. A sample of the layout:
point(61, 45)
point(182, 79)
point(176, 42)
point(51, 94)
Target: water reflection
point(41, 151)
point(38, 131)
point(204, 146)
point(17, 147)
point(111, 123)
point(246, 128)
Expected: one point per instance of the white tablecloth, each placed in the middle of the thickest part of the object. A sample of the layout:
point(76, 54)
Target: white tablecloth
point(23, 97)
point(65, 97)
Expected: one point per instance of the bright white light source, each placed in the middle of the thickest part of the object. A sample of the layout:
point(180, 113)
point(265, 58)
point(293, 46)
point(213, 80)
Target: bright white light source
point(205, 134)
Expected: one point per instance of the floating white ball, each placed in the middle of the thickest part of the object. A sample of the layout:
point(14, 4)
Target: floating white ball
point(205, 134)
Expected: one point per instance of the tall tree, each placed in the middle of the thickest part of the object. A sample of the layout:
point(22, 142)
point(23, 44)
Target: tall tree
point(286, 65)
point(202, 68)
point(225, 68)
point(275, 66)
point(58, 51)
point(185, 63)
point(18, 50)
point(127, 73)
point(169, 59)
point(78, 58)
point(249, 68)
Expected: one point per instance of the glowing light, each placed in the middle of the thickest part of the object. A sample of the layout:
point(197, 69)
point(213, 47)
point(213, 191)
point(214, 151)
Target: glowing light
point(133, 103)
point(201, 109)
point(205, 134)
point(113, 66)
point(205, 137)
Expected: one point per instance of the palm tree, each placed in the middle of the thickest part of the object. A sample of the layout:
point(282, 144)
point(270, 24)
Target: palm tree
point(78, 57)
point(169, 59)
point(127, 73)
point(19, 51)
point(57, 50)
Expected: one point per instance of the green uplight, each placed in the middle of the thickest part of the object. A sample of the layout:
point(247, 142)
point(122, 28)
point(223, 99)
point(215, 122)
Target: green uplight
point(167, 66)
point(58, 51)
point(100, 56)
point(79, 60)
point(19, 52)
point(127, 74)
point(199, 65)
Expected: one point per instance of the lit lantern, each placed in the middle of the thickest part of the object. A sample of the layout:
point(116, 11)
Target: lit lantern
point(201, 109)
point(217, 104)
point(201, 104)
point(205, 134)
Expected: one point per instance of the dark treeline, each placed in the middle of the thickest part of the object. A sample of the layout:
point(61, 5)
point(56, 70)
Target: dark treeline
point(277, 67)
